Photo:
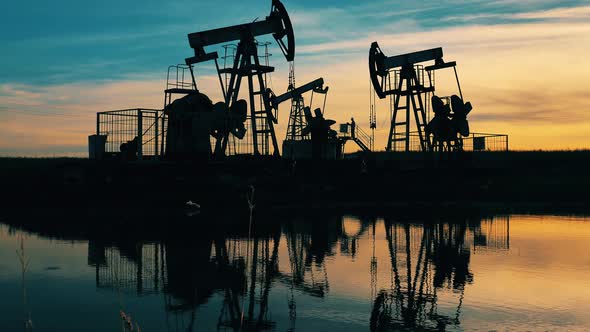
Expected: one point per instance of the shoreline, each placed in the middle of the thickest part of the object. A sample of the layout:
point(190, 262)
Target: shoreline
point(510, 180)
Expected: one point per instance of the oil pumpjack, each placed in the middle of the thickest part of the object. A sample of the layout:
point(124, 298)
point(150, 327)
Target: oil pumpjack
point(403, 78)
point(247, 65)
point(308, 136)
point(196, 128)
point(189, 126)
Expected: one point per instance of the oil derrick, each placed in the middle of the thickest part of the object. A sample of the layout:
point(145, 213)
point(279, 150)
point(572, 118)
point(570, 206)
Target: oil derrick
point(404, 78)
point(246, 65)
point(304, 135)
point(296, 117)
point(372, 114)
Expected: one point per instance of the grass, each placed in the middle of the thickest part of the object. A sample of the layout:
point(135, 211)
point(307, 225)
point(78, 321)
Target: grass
point(515, 177)
point(24, 262)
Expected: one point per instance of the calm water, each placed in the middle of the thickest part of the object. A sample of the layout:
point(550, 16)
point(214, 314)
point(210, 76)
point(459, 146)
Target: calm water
point(339, 274)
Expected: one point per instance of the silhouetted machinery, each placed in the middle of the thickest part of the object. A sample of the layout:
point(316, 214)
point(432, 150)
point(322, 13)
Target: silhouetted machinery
point(193, 124)
point(247, 65)
point(193, 118)
point(296, 117)
point(324, 140)
point(308, 136)
point(404, 79)
point(447, 127)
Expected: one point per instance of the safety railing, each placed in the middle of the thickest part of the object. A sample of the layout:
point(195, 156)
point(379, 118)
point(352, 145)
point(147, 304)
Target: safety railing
point(360, 137)
point(363, 137)
point(474, 142)
point(147, 126)
point(179, 77)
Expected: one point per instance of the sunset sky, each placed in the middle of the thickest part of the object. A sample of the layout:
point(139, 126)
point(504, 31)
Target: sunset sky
point(522, 64)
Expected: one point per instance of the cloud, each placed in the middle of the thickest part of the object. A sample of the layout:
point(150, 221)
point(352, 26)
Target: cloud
point(35, 118)
point(526, 79)
point(520, 105)
point(567, 14)
point(499, 36)
point(475, 17)
point(520, 3)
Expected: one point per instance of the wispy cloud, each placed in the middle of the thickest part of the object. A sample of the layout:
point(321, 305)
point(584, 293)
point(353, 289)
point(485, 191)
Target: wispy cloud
point(514, 74)
point(557, 13)
point(499, 36)
point(521, 63)
point(568, 14)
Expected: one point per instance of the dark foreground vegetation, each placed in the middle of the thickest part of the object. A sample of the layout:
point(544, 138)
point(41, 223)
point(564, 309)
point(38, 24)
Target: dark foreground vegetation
point(547, 182)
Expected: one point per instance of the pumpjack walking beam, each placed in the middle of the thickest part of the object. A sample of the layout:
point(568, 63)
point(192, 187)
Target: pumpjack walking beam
point(409, 85)
point(296, 118)
point(315, 85)
point(247, 64)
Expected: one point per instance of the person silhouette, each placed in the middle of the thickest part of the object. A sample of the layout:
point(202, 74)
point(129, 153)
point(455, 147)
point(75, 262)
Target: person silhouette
point(352, 128)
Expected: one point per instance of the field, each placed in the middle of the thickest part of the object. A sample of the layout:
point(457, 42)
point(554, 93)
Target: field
point(535, 179)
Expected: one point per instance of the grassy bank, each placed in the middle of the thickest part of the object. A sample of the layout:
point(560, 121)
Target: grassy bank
point(547, 180)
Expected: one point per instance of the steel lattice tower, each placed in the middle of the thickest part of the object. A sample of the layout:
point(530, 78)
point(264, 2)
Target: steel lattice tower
point(296, 117)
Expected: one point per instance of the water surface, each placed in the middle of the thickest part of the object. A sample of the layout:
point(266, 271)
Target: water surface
point(342, 273)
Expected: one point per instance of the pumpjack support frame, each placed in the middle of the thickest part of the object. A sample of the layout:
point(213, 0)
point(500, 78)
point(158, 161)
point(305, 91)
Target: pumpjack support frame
point(247, 65)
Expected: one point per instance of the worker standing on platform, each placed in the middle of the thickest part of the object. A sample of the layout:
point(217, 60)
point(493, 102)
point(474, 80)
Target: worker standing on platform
point(352, 128)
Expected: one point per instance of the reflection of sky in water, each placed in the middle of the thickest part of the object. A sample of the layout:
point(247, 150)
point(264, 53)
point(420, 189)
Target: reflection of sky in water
point(534, 277)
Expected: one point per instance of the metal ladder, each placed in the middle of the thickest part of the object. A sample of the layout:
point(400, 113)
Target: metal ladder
point(410, 89)
point(261, 117)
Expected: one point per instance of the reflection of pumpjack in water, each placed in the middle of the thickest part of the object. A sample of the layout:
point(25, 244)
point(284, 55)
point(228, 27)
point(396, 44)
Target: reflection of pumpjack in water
point(147, 268)
point(307, 249)
point(412, 301)
point(443, 255)
point(308, 271)
point(308, 274)
point(242, 271)
point(349, 237)
point(433, 257)
point(190, 285)
point(240, 309)
point(132, 267)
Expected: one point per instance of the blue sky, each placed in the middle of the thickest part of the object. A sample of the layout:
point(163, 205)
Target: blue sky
point(81, 48)
point(55, 42)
